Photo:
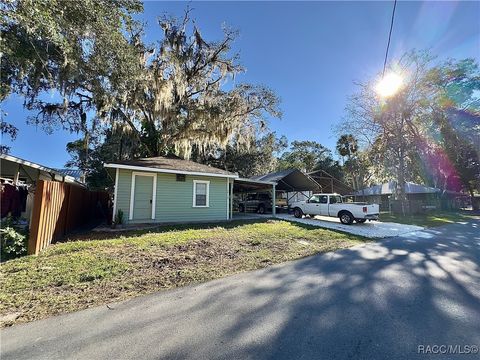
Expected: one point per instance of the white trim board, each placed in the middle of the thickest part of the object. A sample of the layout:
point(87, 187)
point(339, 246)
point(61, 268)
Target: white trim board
point(115, 192)
point(195, 182)
point(228, 194)
point(132, 192)
point(167, 171)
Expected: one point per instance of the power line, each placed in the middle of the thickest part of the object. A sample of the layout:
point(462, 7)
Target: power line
point(389, 37)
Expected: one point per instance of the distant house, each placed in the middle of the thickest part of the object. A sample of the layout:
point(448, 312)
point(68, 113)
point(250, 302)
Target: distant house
point(77, 174)
point(420, 197)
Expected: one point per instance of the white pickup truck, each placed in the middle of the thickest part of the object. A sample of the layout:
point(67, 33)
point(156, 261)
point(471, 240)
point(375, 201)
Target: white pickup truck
point(333, 205)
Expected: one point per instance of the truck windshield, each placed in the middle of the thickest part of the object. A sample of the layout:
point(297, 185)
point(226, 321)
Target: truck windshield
point(335, 199)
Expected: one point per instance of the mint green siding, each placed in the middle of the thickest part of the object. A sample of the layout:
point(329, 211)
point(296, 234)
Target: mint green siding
point(174, 199)
point(123, 192)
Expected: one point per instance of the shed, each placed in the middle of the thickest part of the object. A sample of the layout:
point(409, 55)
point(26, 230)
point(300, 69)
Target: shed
point(169, 190)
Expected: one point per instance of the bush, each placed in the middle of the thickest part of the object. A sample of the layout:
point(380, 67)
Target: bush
point(119, 217)
point(13, 242)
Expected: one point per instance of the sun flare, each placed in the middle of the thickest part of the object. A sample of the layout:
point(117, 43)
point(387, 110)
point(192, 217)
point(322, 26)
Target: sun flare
point(389, 85)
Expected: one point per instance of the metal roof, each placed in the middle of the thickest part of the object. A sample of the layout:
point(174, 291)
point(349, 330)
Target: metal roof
point(11, 164)
point(290, 180)
point(75, 173)
point(389, 188)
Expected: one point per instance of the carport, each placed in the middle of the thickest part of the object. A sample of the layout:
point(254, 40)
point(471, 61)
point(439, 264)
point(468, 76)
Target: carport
point(242, 186)
point(292, 182)
point(328, 183)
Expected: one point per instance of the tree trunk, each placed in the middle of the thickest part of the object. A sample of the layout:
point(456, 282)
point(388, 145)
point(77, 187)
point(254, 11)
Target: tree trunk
point(401, 181)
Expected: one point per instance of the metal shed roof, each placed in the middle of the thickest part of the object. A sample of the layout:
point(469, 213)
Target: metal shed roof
point(290, 180)
point(10, 165)
point(389, 188)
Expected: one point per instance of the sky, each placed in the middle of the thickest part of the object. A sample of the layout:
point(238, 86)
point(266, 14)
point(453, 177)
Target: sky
point(309, 53)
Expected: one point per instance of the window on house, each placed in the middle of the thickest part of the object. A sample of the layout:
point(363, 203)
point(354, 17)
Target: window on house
point(200, 193)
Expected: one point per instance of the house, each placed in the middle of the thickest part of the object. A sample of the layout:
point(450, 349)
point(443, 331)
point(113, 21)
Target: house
point(420, 197)
point(169, 190)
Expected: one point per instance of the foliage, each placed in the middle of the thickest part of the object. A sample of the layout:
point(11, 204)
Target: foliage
point(356, 163)
point(255, 158)
point(309, 156)
point(182, 102)
point(119, 217)
point(413, 135)
point(179, 102)
point(347, 145)
point(13, 242)
point(71, 49)
point(456, 118)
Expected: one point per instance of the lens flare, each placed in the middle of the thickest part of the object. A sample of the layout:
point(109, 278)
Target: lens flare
point(389, 85)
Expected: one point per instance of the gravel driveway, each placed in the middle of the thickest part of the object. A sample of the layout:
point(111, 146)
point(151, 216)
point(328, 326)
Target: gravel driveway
point(370, 229)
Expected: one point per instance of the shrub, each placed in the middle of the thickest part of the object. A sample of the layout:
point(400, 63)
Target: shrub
point(13, 242)
point(119, 217)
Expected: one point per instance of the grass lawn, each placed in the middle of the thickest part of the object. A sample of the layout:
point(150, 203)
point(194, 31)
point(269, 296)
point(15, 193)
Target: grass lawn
point(99, 268)
point(428, 220)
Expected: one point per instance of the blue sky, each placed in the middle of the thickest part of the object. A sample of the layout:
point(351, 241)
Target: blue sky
point(309, 53)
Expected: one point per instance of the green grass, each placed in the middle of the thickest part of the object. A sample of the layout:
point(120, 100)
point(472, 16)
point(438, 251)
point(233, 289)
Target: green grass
point(427, 220)
point(99, 268)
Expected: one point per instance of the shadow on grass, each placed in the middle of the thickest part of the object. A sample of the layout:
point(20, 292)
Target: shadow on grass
point(130, 233)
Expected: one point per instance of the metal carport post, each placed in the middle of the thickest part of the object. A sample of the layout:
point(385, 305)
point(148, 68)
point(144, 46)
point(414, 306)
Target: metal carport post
point(274, 210)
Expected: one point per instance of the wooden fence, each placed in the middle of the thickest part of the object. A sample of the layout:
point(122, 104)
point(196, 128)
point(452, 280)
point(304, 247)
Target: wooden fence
point(60, 208)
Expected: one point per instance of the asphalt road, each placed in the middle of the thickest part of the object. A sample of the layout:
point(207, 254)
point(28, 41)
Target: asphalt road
point(379, 301)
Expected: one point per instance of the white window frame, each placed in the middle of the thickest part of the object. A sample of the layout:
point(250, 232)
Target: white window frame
point(132, 192)
point(195, 182)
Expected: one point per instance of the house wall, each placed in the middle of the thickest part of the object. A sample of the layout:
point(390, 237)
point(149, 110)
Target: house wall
point(174, 199)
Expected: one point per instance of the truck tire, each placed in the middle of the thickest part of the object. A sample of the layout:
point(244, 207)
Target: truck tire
point(261, 209)
point(361, 221)
point(346, 217)
point(297, 212)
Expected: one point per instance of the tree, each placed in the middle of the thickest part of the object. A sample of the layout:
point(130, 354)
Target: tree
point(356, 164)
point(456, 119)
point(347, 146)
point(393, 126)
point(175, 97)
point(68, 48)
point(181, 101)
point(309, 156)
point(259, 157)
point(412, 136)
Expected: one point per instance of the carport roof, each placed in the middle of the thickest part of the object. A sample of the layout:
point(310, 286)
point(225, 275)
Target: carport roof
point(10, 165)
point(290, 180)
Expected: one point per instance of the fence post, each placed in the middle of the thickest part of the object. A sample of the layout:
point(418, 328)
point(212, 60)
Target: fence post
point(37, 214)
